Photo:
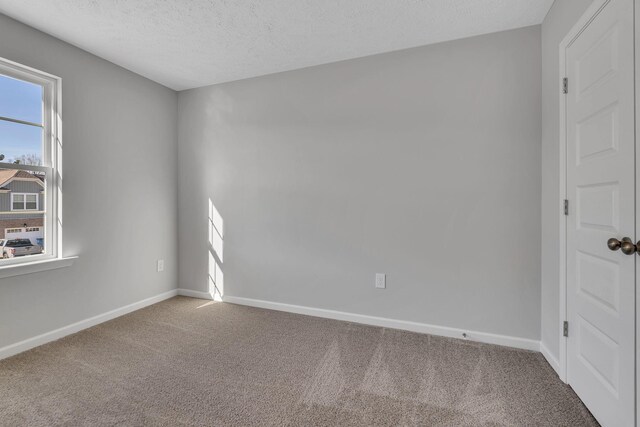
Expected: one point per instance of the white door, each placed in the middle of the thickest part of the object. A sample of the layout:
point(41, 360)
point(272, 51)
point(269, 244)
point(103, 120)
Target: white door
point(601, 192)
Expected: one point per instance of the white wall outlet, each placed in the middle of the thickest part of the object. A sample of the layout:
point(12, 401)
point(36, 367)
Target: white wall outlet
point(381, 280)
point(160, 265)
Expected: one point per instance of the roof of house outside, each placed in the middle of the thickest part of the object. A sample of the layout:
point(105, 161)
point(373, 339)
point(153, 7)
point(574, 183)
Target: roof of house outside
point(8, 174)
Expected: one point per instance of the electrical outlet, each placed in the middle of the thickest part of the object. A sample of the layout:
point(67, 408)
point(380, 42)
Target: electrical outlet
point(160, 265)
point(381, 280)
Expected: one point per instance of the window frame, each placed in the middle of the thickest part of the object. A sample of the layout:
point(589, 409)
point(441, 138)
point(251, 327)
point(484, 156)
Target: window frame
point(51, 158)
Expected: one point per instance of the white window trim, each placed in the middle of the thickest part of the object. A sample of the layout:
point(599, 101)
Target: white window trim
point(51, 167)
point(24, 203)
point(44, 264)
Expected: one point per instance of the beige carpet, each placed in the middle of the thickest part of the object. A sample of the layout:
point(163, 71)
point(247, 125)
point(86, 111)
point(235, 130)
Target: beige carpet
point(192, 362)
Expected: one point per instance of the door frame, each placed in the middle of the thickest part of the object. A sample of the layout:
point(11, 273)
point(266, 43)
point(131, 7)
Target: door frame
point(589, 15)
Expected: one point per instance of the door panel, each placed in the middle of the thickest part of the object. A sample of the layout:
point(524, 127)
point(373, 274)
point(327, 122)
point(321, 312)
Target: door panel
point(598, 207)
point(596, 278)
point(601, 186)
point(596, 135)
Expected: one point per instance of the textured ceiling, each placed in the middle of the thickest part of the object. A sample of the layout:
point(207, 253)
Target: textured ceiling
point(190, 43)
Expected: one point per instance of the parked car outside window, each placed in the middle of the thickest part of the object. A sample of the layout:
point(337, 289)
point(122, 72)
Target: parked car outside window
point(18, 247)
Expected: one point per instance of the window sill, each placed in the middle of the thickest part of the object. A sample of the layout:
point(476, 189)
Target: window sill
point(35, 266)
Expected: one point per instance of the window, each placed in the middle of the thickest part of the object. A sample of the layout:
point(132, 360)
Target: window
point(30, 155)
point(24, 202)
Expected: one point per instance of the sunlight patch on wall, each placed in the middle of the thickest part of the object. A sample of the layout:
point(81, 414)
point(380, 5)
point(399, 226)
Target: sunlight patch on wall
point(216, 247)
point(216, 234)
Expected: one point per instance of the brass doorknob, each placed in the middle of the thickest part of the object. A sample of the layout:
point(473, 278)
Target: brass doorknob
point(626, 245)
point(628, 248)
point(614, 244)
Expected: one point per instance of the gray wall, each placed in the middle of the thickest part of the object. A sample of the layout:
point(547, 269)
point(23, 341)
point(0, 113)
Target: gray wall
point(562, 16)
point(120, 190)
point(423, 164)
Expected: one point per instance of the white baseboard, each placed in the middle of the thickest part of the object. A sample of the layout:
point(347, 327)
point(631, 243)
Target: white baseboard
point(555, 364)
point(424, 328)
point(56, 334)
point(195, 294)
point(484, 337)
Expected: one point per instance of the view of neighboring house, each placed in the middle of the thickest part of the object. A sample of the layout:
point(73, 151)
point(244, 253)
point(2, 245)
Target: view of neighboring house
point(21, 205)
